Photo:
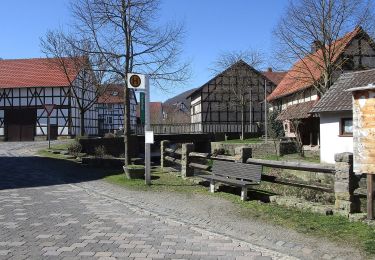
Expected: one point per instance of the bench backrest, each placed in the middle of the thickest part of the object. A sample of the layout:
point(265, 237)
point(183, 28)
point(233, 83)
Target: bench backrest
point(237, 170)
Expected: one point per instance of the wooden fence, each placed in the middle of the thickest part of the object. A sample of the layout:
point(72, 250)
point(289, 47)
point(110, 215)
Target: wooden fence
point(191, 128)
point(191, 163)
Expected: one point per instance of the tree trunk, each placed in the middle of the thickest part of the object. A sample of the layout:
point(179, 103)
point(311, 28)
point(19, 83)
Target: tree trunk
point(127, 126)
point(82, 122)
point(242, 122)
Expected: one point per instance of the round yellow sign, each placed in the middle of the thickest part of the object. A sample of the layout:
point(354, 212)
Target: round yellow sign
point(135, 81)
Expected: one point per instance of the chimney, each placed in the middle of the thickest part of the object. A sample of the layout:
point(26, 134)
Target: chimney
point(269, 69)
point(315, 46)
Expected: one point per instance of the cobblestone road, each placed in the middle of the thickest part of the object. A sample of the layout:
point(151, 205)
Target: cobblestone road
point(53, 209)
point(44, 215)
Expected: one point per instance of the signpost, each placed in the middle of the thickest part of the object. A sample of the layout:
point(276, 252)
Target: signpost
point(140, 82)
point(142, 106)
point(49, 108)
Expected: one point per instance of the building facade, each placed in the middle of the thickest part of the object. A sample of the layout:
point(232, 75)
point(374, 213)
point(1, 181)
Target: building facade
point(111, 109)
point(296, 92)
point(335, 109)
point(235, 95)
point(26, 86)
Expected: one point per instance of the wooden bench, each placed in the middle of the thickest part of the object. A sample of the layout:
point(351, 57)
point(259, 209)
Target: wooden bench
point(235, 174)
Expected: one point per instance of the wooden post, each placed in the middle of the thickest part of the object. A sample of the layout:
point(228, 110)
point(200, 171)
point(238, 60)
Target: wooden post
point(370, 196)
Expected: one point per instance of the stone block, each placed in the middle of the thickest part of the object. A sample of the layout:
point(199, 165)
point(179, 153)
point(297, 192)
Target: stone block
point(340, 187)
point(344, 157)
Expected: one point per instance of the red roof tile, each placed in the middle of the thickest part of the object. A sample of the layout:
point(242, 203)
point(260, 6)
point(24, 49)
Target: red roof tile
point(39, 72)
point(113, 94)
point(306, 71)
point(274, 76)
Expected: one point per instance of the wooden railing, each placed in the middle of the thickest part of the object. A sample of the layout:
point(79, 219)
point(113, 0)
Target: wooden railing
point(191, 128)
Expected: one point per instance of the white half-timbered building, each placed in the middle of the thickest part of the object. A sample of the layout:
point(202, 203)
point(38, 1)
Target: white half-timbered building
point(111, 109)
point(26, 86)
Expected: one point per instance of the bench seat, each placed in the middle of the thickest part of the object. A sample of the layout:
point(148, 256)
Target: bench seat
point(235, 174)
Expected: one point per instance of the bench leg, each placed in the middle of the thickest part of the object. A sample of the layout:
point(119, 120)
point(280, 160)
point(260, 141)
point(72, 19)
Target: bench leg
point(212, 186)
point(244, 193)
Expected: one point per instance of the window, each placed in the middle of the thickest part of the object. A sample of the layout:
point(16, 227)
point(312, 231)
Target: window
point(346, 127)
point(109, 120)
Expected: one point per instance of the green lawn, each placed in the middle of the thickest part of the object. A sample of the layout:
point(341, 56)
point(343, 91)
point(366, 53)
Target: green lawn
point(160, 182)
point(245, 141)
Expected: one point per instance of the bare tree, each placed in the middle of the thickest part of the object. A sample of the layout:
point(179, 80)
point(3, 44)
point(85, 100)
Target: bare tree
point(85, 73)
point(123, 32)
point(310, 32)
point(240, 68)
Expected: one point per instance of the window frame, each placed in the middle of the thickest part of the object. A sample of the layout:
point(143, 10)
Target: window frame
point(341, 128)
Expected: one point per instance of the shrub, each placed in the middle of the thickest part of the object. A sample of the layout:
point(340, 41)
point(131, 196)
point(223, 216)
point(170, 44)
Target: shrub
point(74, 148)
point(100, 151)
point(220, 151)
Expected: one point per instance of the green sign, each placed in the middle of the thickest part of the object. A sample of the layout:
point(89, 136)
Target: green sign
point(142, 106)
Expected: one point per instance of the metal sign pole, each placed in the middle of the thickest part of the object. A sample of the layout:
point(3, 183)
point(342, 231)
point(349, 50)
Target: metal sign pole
point(147, 128)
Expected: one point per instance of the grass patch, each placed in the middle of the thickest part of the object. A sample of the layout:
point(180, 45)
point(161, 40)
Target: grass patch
point(313, 158)
point(46, 153)
point(335, 228)
point(245, 141)
point(161, 181)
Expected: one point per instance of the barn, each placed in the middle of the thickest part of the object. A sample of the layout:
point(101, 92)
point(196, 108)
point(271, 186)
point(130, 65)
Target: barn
point(26, 86)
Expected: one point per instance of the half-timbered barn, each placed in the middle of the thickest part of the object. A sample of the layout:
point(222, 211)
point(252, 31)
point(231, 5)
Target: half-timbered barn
point(111, 109)
point(234, 95)
point(26, 86)
point(296, 94)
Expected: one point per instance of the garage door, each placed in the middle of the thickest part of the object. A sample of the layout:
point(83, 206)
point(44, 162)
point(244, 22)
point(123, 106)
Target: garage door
point(20, 124)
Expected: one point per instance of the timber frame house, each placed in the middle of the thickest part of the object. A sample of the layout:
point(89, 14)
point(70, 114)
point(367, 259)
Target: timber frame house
point(26, 85)
point(110, 107)
point(296, 95)
point(218, 105)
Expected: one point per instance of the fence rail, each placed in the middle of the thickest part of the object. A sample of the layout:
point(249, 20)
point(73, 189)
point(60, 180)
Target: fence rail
point(341, 171)
point(191, 128)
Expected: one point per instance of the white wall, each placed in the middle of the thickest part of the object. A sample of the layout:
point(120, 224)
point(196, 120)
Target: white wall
point(330, 141)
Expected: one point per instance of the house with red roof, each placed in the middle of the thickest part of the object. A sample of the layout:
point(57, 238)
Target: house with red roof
point(111, 109)
point(297, 93)
point(27, 85)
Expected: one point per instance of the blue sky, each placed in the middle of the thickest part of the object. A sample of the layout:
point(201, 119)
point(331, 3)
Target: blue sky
point(212, 26)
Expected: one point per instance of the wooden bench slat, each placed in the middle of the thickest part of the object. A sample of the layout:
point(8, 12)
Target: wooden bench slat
point(237, 170)
point(227, 180)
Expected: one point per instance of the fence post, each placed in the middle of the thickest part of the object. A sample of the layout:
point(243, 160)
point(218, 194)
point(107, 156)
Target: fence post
point(186, 171)
point(345, 184)
point(163, 144)
point(243, 153)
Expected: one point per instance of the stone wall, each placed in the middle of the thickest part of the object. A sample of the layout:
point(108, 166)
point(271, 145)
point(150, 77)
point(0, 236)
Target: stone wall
point(113, 146)
point(259, 150)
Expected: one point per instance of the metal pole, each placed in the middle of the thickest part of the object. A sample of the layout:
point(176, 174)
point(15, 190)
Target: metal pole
point(265, 111)
point(147, 128)
point(48, 132)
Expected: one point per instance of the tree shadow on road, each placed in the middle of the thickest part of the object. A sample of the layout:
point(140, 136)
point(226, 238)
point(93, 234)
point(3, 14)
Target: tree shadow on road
point(23, 172)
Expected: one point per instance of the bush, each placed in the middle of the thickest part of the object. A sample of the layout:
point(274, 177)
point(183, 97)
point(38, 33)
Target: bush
point(74, 148)
point(109, 135)
point(220, 151)
point(100, 151)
